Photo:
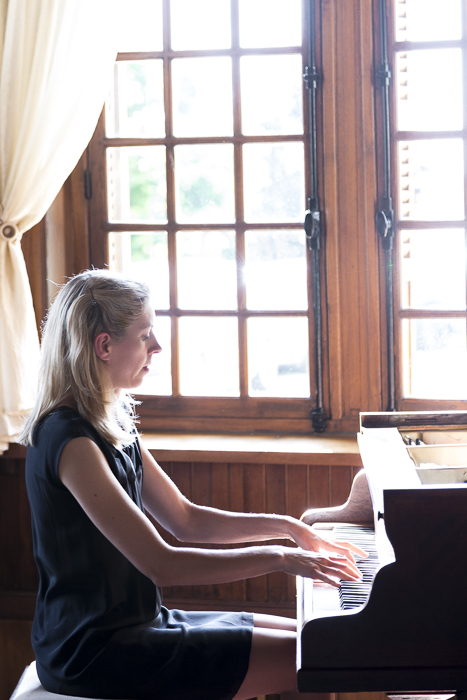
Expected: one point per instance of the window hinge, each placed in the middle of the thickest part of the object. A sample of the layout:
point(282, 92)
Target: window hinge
point(87, 184)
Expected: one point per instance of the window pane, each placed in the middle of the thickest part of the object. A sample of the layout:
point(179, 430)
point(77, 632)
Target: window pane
point(204, 184)
point(429, 90)
point(433, 269)
point(435, 358)
point(136, 106)
point(431, 181)
point(140, 26)
point(143, 257)
point(136, 184)
point(428, 20)
point(271, 94)
point(273, 180)
point(159, 379)
point(206, 270)
point(275, 270)
point(278, 357)
point(209, 356)
point(202, 96)
point(204, 24)
point(266, 23)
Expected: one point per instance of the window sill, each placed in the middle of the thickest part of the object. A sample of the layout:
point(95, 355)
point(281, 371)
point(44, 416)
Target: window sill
point(331, 450)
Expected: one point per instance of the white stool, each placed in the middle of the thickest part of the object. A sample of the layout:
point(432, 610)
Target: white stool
point(30, 688)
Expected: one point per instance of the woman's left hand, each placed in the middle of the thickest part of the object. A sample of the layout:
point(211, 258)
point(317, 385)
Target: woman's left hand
point(307, 539)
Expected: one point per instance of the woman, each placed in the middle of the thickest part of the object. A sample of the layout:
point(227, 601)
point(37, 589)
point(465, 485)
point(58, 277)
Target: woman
point(99, 628)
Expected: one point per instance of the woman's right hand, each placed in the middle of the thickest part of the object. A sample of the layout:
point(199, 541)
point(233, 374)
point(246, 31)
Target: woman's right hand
point(330, 568)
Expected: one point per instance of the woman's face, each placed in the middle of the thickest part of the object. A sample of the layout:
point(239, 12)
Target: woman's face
point(128, 360)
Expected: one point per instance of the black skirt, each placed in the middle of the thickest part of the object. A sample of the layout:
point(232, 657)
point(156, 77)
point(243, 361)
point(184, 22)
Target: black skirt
point(179, 656)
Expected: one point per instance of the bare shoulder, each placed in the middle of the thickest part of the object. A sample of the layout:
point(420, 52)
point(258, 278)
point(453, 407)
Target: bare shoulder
point(81, 458)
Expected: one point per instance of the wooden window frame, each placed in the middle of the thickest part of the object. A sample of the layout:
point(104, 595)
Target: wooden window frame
point(411, 403)
point(235, 414)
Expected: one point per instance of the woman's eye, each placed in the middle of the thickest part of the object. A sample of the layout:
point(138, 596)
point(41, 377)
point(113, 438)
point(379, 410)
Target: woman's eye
point(146, 337)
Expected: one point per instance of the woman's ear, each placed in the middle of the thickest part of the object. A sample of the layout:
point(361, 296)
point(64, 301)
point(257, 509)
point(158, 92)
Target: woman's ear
point(102, 346)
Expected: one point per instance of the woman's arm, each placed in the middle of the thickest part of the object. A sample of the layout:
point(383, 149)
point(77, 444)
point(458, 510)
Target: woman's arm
point(85, 472)
point(190, 522)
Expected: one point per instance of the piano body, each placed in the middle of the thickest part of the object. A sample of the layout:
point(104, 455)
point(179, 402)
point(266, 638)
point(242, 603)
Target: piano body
point(410, 636)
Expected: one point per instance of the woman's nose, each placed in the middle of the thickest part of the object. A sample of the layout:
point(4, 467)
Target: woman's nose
point(154, 347)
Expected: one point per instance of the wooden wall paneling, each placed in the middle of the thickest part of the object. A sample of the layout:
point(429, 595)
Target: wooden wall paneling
point(9, 550)
point(221, 499)
point(236, 491)
point(18, 572)
point(317, 487)
point(296, 479)
point(350, 197)
point(202, 495)
point(15, 654)
point(254, 495)
point(34, 251)
point(331, 201)
point(181, 473)
point(369, 242)
point(276, 502)
point(79, 249)
point(59, 231)
point(340, 481)
point(296, 504)
point(99, 253)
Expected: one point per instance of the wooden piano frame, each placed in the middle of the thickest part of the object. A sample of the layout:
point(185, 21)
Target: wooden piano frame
point(410, 637)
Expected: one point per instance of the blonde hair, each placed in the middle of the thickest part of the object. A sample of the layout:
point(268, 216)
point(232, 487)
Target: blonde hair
point(88, 304)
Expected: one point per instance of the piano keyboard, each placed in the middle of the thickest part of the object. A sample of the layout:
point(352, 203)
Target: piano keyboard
point(353, 594)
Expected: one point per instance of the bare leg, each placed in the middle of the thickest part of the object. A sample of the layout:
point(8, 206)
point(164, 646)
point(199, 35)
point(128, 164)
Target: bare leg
point(275, 622)
point(272, 664)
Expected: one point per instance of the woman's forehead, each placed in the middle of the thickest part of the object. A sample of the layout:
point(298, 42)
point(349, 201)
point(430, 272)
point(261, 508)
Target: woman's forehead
point(146, 319)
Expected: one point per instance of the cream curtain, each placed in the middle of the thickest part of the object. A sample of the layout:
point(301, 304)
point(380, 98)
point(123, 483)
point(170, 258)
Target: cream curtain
point(56, 58)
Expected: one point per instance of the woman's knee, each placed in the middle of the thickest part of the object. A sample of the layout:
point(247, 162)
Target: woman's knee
point(272, 664)
point(275, 622)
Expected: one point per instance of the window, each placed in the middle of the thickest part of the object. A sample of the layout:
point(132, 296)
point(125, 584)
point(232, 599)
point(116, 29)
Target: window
point(430, 146)
point(203, 154)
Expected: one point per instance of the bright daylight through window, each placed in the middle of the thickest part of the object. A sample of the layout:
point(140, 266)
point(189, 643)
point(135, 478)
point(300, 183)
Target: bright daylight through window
point(429, 71)
point(205, 160)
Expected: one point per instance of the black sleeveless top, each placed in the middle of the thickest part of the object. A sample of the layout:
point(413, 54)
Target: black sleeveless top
point(99, 629)
point(88, 589)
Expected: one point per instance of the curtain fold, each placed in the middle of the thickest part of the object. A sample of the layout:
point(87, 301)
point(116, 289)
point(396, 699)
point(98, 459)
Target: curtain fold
point(56, 65)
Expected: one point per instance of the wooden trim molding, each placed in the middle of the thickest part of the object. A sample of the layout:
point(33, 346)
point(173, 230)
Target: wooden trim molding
point(254, 449)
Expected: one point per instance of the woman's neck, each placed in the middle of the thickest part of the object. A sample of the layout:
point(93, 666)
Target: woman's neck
point(68, 400)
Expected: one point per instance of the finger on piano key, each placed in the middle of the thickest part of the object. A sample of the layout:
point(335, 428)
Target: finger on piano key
point(347, 549)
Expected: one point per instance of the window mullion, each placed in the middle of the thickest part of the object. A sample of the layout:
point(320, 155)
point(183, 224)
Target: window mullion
point(464, 72)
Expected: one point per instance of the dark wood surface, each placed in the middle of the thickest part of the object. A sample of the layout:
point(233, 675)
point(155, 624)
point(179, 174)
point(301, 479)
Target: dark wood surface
point(419, 420)
point(411, 635)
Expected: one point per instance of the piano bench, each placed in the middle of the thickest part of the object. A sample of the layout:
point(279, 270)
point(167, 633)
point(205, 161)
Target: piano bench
point(30, 688)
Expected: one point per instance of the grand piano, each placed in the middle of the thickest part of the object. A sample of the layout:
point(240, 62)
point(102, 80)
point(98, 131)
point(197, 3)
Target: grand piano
point(403, 629)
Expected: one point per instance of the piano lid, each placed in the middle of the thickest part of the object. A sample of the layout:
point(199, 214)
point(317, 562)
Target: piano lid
point(387, 463)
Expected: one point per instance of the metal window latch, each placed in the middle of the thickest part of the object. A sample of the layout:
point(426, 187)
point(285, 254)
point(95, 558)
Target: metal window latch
point(383, 74)
point(319, 419)
point(385, 224)
point(312, 226)
point(87, 184)
point(311, 77)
